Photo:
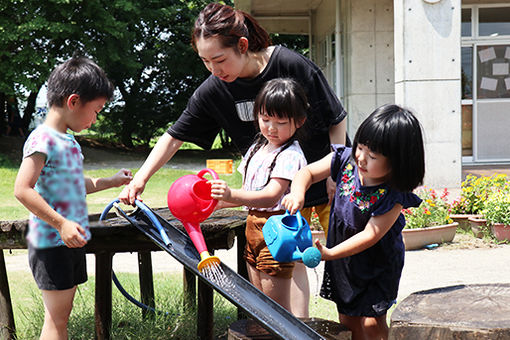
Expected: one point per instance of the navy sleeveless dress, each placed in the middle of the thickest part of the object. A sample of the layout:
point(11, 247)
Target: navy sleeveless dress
point(365, 284)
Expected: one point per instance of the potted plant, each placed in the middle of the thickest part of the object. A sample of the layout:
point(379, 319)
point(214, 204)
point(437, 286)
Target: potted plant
point(467, 209)
point(497, 213)
point(316, 227)
point(430, 223)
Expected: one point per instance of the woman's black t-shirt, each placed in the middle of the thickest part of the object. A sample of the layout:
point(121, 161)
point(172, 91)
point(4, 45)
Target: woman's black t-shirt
point(217, 104)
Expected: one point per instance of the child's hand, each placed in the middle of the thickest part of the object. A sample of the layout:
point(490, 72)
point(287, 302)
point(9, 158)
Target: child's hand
point(124, 176)
point(72, 234)
point(325, 251)
point(293, 202)
point(220, 190)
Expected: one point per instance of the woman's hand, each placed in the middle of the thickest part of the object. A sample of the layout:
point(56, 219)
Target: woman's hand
point(293, 202)
point(132, 191)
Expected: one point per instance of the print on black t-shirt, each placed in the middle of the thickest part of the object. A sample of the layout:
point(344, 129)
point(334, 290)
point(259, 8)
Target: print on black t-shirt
point(244, 110)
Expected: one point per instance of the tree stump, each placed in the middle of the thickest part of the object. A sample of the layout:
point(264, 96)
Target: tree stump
point(464, 312)
point(251, 330)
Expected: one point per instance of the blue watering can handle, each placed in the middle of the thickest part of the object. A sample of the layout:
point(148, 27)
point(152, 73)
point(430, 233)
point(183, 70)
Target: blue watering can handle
point(300, 219)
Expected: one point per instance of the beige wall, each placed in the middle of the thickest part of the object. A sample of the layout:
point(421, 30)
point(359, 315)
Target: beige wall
point(324, 18)
point(369, 61)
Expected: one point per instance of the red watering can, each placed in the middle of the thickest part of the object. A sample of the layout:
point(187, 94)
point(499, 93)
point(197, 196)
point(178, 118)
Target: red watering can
point(189, 200)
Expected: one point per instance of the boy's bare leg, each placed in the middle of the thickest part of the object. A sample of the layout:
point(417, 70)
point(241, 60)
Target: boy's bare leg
point(57, 309)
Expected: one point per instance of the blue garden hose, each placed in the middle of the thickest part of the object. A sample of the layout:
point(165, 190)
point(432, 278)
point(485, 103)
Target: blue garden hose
point(147, 213)
point(163, 234)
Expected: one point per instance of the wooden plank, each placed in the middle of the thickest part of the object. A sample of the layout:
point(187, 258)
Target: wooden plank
point(7, 328)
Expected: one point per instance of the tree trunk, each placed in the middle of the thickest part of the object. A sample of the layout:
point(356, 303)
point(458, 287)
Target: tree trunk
point(30, 109)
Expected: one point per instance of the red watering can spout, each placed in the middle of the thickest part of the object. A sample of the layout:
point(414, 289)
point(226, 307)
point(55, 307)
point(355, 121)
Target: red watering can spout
point(189, 200)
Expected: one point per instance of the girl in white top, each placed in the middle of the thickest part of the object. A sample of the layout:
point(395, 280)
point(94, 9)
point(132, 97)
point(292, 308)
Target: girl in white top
point(268, 168)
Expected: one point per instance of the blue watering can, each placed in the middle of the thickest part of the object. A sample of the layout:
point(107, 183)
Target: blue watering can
point(289, 238)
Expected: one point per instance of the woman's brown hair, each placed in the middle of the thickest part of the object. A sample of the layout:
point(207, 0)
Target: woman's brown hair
point(228, 24)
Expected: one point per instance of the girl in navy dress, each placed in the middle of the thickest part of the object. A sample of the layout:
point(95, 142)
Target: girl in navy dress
point(364, 253)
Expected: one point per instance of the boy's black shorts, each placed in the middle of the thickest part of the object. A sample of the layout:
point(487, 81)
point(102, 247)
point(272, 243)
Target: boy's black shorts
point(58, 268)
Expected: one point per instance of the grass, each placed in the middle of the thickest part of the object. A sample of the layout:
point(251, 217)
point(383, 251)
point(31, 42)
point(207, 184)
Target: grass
point(127, 321)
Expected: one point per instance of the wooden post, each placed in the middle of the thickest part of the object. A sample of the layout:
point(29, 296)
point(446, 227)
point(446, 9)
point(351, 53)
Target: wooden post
point(205, 316)
point(103, 311)
point(146, 281)
point(241, 265)
point(7, 329)
point(190, 288)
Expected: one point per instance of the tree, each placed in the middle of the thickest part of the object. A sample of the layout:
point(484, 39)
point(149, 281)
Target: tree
point(142, 45)
point(156, 73)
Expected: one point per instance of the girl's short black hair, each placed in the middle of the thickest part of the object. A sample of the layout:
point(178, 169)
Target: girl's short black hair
point(397, 134)
point(81, 76)
point(282, 98)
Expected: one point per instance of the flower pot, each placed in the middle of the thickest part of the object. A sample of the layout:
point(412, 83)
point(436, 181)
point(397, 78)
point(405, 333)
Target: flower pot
point(319, 234)
point(501, 231)
point(463, 220)
point(478, 225)
point(420, 237)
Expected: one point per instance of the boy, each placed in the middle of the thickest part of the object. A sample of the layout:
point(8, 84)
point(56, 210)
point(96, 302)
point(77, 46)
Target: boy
point(50, 183)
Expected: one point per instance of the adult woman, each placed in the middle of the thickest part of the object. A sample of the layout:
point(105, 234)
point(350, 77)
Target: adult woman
point(237, 52)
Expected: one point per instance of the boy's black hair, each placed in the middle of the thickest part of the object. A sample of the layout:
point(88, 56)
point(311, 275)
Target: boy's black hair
point(282, 98)
point(397, 134)
point(81, 76)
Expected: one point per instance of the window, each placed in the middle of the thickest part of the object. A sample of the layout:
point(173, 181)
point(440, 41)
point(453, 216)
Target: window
point(467, 72)
point(493, 71)
point(493, 21)
point(466, 22)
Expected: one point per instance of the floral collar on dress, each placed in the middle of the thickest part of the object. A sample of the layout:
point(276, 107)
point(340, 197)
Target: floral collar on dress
point(362, 199)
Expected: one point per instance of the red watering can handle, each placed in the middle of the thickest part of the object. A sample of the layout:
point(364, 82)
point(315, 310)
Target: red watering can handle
point(214, 175)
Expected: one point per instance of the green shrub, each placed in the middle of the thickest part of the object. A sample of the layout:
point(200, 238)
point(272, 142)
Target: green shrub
point(475, 191)
point(497, 207)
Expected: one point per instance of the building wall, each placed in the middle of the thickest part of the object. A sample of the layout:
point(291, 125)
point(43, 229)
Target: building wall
point(427, 80)
point(326, 22)
point(368, 53)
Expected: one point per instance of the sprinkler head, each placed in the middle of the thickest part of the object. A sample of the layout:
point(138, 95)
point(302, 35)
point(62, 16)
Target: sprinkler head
point(207, 261)
point(311, 257)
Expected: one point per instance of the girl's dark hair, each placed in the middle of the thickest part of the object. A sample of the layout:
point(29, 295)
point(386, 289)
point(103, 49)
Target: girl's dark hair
point(81, 76)
point(397, 134)
point(222, 21)
point(282, 98)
